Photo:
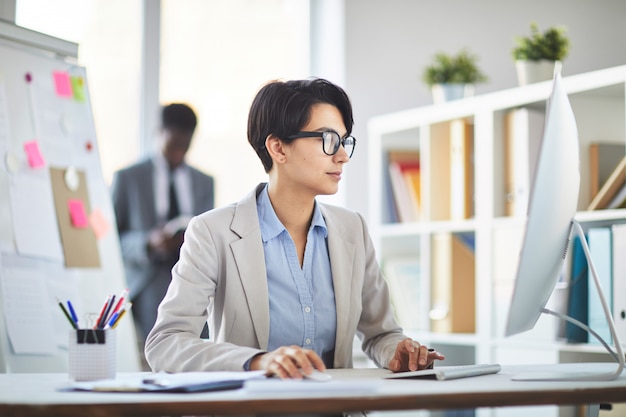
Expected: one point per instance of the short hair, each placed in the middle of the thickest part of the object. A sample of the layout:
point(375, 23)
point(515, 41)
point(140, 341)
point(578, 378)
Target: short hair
point(178, 116)
point(282, 108)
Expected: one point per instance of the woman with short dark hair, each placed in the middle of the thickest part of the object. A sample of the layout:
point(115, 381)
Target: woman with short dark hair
point(285, 282)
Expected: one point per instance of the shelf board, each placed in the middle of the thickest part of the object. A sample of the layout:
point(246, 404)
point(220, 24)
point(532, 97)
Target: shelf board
point(600, 215)
point(418, 228)
point(607, 82)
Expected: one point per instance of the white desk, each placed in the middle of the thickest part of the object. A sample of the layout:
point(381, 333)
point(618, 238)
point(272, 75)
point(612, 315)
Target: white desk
point(37, 395)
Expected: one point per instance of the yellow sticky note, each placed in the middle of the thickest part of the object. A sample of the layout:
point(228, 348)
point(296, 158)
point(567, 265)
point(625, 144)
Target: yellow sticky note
point(78, 87)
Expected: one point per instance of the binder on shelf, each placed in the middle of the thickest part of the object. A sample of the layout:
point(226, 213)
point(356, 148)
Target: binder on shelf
point(461, 169)
point(619, 279)
point(600, 247)
point(453, 293)
point(578, 294)
point(439, 198)
point(404, 175)
point(611, 187)
point(522, 139)
point(603, 158)
point(403, 276)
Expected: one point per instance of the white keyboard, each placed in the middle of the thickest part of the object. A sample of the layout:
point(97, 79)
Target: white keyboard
point(443, 373)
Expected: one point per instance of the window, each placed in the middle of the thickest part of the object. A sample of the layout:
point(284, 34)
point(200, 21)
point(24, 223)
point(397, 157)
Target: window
point(111, 52)
point(215, 55)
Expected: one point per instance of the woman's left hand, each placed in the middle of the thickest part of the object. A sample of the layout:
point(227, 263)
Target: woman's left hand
point(411, 356)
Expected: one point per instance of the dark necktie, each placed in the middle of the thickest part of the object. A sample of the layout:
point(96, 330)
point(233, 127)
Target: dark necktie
point(173, 210)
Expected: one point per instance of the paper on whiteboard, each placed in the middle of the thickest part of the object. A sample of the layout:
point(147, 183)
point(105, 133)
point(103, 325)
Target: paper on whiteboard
point(4, 120)
point(26, 307)
point(6, 159)
point(34, 216)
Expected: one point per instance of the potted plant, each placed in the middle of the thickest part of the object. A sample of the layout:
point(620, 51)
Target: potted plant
point(452, 77)
point(539, 55)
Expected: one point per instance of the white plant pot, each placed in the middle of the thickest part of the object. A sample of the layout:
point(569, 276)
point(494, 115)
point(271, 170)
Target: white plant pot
point(529, 72)
point(447, 92)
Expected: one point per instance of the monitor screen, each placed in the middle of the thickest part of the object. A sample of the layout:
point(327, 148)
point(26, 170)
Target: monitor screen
point(551, 210)
point(552, 206)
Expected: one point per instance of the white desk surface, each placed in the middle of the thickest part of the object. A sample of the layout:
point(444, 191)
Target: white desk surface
point(30, 395)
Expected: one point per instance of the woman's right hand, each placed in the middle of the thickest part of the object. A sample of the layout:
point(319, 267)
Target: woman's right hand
point(287, 361)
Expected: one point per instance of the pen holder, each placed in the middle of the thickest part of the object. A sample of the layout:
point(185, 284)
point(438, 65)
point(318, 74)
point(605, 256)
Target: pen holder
point(92, 354)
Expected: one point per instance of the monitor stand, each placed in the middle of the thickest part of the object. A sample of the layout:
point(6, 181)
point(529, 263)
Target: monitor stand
point(572, 372)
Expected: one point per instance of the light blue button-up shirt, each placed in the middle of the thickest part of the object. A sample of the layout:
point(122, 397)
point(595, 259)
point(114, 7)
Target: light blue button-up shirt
point(301, 300)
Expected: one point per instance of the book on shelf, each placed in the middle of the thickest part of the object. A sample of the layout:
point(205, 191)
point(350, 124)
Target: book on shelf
point(453, 294)
point(404, 176)
point(403, 276)
point(619, 279)
point(619, 201)
point(611, 188)
point(522, 139)
point(600, 248)
point(603, 158)
point(461, 169)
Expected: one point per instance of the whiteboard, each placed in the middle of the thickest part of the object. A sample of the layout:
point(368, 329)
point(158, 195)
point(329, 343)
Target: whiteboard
point(57, 225)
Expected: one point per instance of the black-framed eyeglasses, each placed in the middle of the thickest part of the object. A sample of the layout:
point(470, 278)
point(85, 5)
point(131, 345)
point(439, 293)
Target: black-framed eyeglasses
point(330, 141)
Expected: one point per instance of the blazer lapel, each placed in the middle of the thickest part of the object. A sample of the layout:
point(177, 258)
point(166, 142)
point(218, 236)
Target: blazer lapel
point(341, 256)
point(250, 260)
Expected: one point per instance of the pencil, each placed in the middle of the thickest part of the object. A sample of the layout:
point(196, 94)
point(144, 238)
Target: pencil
point(66, 314)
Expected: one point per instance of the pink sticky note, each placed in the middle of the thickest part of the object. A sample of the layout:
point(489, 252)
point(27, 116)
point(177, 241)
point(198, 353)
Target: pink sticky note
point(77, 213)
point(63, 84)
point(35, 158)
point(99, 223)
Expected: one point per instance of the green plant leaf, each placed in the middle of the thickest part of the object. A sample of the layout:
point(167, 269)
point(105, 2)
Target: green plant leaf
point(453, 69)
point(551, 45)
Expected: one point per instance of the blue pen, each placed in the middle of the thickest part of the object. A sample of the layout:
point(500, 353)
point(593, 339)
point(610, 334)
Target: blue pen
point(72, 312)
point(112, 320)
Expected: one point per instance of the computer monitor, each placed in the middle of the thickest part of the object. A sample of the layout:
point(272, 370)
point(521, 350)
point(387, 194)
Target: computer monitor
point(552, 206)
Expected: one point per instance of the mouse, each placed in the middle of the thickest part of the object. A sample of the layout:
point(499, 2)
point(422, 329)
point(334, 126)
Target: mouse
point(316, 376)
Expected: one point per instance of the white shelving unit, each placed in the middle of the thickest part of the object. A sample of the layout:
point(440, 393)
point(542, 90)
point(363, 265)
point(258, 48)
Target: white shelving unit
point(598, 99)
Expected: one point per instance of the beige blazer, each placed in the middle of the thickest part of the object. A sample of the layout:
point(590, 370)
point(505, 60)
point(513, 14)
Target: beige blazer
point(221, 277)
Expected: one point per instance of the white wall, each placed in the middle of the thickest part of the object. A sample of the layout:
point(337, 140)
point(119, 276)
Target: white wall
point(388, 43)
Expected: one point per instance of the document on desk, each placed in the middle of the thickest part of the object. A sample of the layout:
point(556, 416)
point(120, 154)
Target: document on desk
point(163, 382)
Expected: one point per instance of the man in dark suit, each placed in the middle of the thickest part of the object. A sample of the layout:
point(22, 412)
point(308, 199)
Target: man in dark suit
point(153, 201)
